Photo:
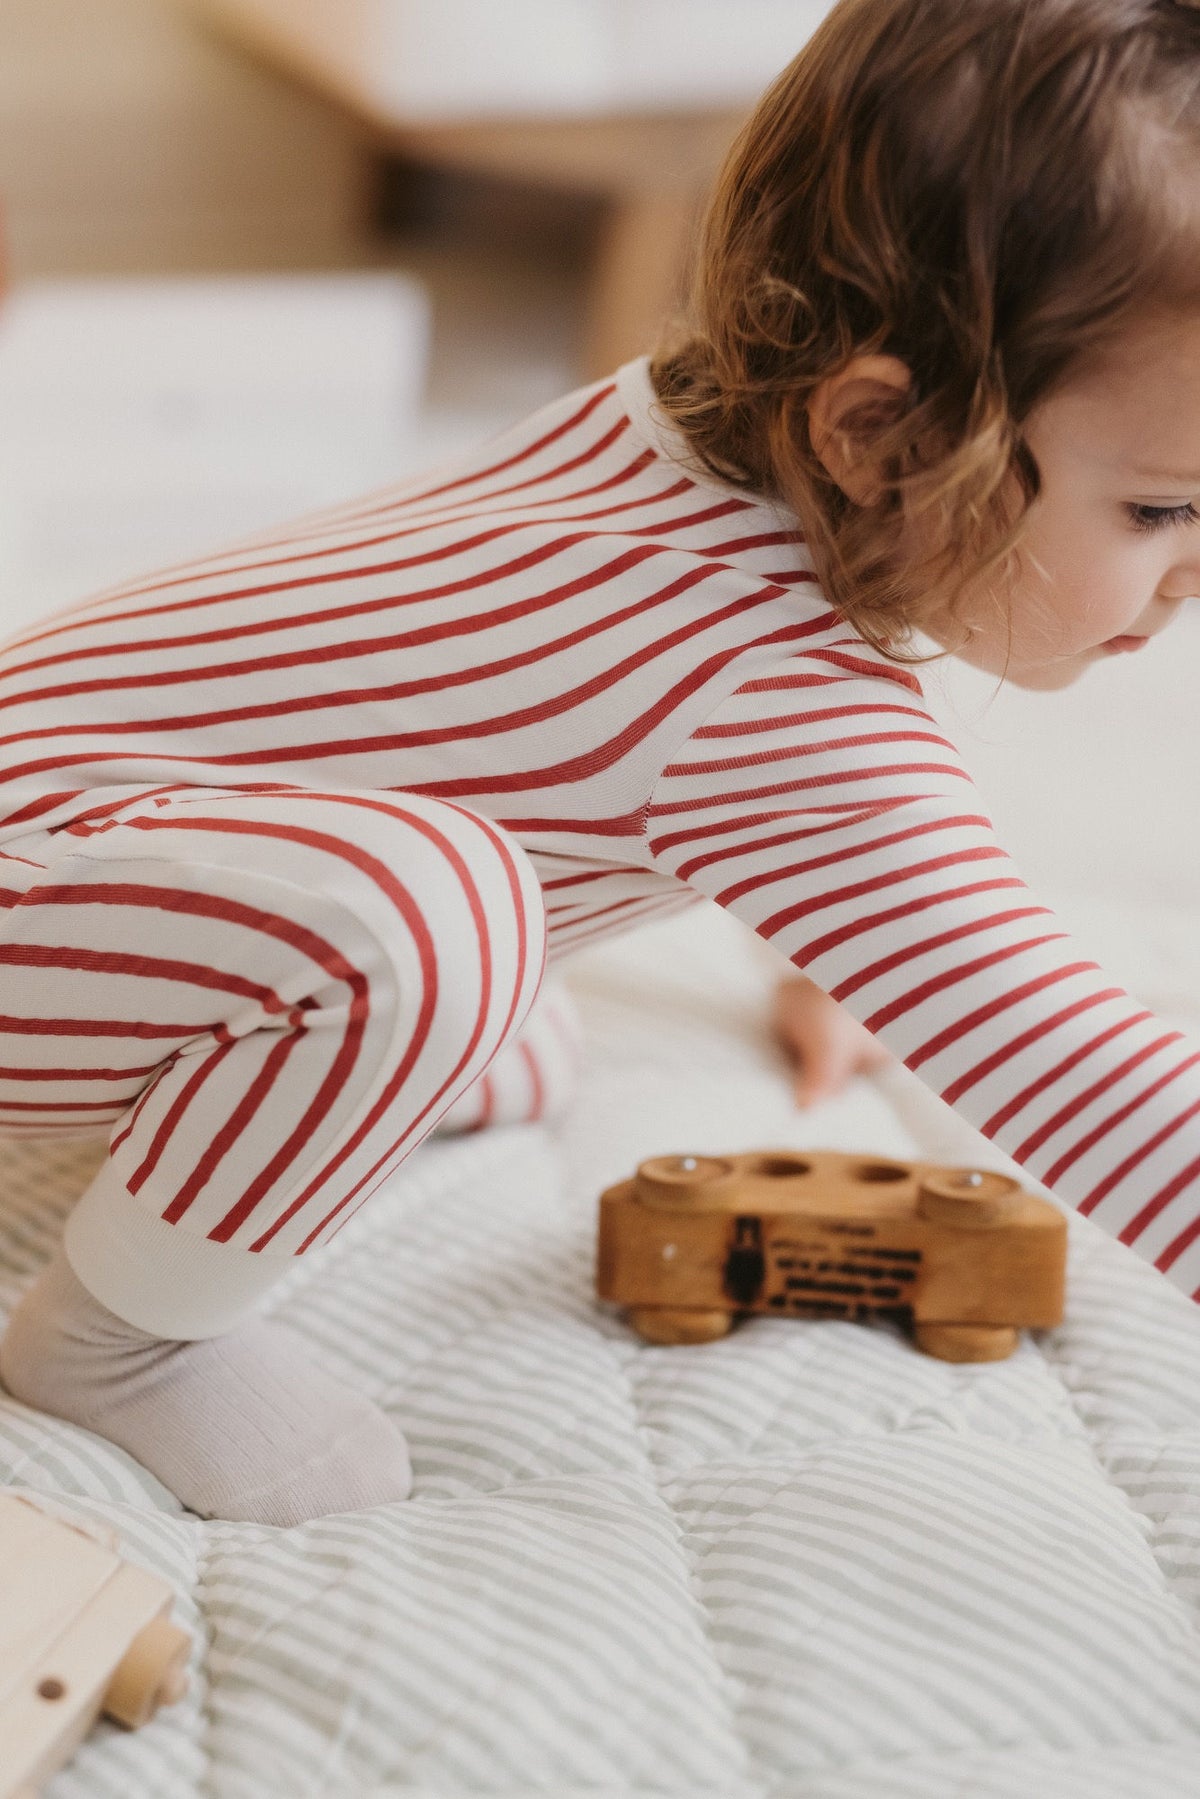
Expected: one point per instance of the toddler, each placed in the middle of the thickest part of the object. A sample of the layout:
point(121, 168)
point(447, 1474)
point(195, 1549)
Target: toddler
point(288, 835)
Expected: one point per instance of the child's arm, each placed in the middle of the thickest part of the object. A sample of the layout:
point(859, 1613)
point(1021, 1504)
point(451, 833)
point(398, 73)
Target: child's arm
point(825, 808)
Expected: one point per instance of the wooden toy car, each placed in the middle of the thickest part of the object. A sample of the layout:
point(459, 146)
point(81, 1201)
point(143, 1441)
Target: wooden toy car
point(81, 1632)
point(967, 1257)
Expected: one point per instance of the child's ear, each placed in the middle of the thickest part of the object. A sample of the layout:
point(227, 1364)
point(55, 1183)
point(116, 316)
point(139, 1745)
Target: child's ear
point(870, 390)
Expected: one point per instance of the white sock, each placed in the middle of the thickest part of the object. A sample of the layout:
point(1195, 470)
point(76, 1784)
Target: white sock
point(240, 1426)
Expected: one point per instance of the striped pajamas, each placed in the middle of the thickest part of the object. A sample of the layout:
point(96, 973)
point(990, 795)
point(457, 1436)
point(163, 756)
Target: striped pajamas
point(288, 832)
point(271, 998)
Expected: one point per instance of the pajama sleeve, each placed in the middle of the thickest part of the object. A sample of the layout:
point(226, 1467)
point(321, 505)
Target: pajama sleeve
point(826, 810)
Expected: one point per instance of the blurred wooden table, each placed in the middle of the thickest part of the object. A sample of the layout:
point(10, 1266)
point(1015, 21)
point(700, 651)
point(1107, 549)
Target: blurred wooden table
point(652, 171)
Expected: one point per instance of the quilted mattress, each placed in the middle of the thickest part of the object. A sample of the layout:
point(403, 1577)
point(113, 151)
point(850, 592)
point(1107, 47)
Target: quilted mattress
point(804, 1562)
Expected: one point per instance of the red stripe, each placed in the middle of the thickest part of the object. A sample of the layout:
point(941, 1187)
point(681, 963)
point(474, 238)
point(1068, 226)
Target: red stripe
point(402, 499)
point(137, 1071)
point(589, 455)
point(419, 931)
point(226, 1134)
point(535, 510)
point(1136, 1158)
point(795, 721)
point(759, 540)
point(431, 633)
point(687, 520)
point(982, 1014)
point(205, 906)
point(919, 902)
point(997, 1060)
point(404, 495)
point(1088, 1095)
point(335, 1077)
point(92, 1027)
point(781, 755)
point(439, 683)
point(1171, 1254)
point(833, 858)
point(487, 1100)
point(24, 861)
point(627, 824)
point(722, 826)
point(265, 627)
point(555, 914)
point(108, 809)
point(38, 808)
point(798, 678)
point(435, 1106)
point(467, 509)
point(571, 937)
point(127, 962)
point(216, 568)
point(927, 945)
point(568, 700)
point(876, 671)
point(814, 783)
point(538, 1100)
point(592, 874)
point(1163, 1198)
point(403, 503)
point(604, 754)
point(77, 825)
point(114, 1105)
point(483, 507)
point(858, 665)
point(459, 512)
point(356, 610)
point(594, 399)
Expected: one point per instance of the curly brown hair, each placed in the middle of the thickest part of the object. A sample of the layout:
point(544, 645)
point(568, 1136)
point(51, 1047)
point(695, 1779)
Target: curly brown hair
point(990, 190)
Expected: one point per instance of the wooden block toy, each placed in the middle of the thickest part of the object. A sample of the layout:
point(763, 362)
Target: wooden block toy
point(964, 1256)
point(81, 1632)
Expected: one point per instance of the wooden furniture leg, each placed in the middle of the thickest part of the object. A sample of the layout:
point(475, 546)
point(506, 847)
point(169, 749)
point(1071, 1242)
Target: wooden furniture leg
point(638, 274)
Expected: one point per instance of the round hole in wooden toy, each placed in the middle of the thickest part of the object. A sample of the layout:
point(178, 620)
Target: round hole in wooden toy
point(149, 1674)
point(878, 1172)
point(50, 1688)
point(778, 1167)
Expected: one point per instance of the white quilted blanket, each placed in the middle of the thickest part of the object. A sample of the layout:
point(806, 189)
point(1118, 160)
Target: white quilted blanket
point(804, 1562)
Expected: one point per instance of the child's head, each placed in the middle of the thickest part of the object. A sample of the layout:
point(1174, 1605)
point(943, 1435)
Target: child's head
point(948, 308)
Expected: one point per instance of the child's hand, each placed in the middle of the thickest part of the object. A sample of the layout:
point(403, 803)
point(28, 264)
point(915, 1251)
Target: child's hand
point(826, 1045)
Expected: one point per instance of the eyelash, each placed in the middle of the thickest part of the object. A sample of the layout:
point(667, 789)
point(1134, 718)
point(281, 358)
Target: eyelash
point(1161, 518)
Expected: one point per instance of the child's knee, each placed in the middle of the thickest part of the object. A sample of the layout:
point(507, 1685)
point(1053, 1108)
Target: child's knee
point(483, 952)
point(490, 975)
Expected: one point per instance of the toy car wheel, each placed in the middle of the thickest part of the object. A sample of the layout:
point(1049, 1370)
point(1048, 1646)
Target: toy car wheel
point(966, 1342)
point(152, 1672)
point(680, 1324)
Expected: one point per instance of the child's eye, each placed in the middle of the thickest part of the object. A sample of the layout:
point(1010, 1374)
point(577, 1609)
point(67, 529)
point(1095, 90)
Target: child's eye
point(1159, 518)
